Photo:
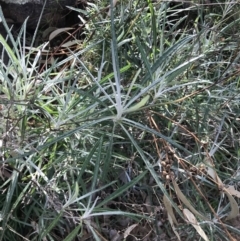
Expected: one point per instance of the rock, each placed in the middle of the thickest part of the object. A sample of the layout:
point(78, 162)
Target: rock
point(53, 15)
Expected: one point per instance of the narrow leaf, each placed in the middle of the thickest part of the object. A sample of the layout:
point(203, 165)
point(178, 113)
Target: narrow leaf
point(168, 206)
point(73, 234)
point(233, 191)
point(50, 227)
point(193, 221)
point(234, 206)
point(57, 32)
point(138, 105)
point(151, 170)
point(122, 189)
point(212, 173)
point(129, 230)
point(173, 227)
point(185, 201)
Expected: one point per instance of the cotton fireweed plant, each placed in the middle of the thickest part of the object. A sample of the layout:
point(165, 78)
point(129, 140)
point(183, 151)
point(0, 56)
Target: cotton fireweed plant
point(40, 106)
point(90, 130)
point(164, 74)
point(50, 146)
point(149, 91)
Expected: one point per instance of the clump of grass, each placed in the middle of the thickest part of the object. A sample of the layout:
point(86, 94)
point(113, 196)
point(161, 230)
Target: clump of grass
point(137, 129)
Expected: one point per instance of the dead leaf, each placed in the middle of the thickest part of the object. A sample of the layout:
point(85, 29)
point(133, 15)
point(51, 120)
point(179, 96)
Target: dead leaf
point(169, 209)
point(57, 32)
point(233, 191)
point(193, 221)
point(173, 227)
point(234, 206)
point(213, 174)
point(114, 235)
point(71, 43)
point(47, 31)
point(186, 202)
point(129, 230)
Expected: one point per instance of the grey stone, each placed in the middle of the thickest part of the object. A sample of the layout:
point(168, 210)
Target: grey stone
point(53, 14)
